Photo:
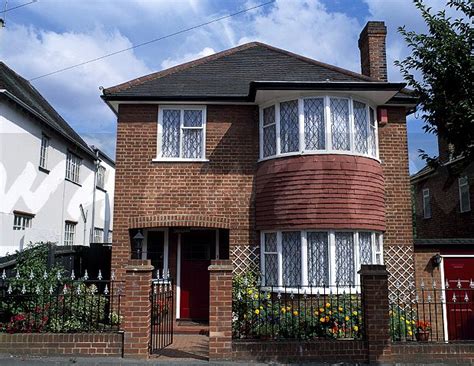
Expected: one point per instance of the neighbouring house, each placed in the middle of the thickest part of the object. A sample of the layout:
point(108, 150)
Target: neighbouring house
point(53, 186)
point(444, 221)
point(269, 158)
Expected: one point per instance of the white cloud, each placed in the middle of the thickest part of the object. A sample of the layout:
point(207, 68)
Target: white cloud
point(169, 62)
point(74, 93)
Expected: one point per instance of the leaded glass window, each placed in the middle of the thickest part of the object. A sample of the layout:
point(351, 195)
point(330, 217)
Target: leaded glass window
point(182, 134)
point(464, 195)
point(365, 248)
point(291, 254)
point(378, 249)
point(289, 126)
point(345, 264)
point(361, 127)
point(340, 124)
point(372, 133)
point(269, 131)
point(314, 128)
point(318, 258)
point(271, 259)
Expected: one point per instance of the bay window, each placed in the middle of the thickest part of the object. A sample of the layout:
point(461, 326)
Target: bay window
point(320, 124)
point(181, 133)
point(318, 258)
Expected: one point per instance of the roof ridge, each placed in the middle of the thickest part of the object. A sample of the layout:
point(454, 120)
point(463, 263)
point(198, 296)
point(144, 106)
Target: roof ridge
point(187, 65)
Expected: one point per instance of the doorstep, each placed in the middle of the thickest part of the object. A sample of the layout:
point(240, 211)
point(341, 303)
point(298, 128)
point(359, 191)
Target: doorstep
point(191, 327)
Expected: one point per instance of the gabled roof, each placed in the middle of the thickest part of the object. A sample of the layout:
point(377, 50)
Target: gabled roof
point(20, 91)
point(229, 74)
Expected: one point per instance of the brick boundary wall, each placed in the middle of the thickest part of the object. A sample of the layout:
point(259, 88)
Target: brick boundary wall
point(60, 344)
point(425, 353)
point(300, 351)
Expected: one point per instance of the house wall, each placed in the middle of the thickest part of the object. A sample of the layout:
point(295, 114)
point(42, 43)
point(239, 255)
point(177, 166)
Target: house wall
point(221, 189)
point(105, 200)
point(446, 220)
point(47, 195)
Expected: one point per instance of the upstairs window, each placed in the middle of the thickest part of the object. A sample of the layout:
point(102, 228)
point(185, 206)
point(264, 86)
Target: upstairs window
point(73, 166)
point(22, 221)
point(43, 161)
point(98, 235)
point(69, 232)
point(181, 133)
point(464, 195)
point(101, 177)
point(426, 204)
point(319, 124)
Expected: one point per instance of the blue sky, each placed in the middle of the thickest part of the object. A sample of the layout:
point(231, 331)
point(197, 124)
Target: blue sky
point(52, 34)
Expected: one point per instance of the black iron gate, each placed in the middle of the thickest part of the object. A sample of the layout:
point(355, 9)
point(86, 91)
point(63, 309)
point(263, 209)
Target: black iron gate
point(161, 315)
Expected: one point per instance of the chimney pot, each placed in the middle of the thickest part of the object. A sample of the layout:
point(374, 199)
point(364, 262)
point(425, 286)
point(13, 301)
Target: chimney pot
point(373, 56)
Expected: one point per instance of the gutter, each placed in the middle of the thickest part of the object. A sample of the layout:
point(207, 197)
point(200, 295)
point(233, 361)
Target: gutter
point(96, 169)
point(44, 120)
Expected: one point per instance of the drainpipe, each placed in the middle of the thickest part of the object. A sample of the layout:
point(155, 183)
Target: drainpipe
point(96, 168)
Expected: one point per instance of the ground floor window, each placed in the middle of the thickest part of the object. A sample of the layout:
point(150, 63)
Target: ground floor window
point(317, 258)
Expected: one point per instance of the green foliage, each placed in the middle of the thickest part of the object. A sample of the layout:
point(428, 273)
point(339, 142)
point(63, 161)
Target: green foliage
point(443, 59)
point(260, 314)
point(402, 323)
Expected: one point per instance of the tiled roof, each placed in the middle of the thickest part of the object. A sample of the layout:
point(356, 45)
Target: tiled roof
point(23, 92)
point(229, 74)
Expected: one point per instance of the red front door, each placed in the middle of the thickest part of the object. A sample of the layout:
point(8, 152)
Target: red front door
point(195, 260)
point(459, 274)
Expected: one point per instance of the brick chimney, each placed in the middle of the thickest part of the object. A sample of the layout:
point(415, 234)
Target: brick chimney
point(373, 58)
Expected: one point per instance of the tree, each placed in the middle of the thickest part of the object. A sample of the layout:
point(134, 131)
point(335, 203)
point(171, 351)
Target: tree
point(443, 59)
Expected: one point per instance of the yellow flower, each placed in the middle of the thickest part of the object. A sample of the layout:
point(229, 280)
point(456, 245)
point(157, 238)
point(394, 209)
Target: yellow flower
point(347, 318)
point(327, 318)
point(330, 312)
point(410, 333)
point(340, 309)
point(261, 307)
point(356, 328)
point(413, 322)
point(250, 292)
point(402, 318)
point(288, 308)
point(390, 312)
point(283, 310)
point(268, 296)
point(321, 310)
point(328, 305)
point(322, 320)
point(409, 328)
point(408, 322)
point(316, 312)
point(354, 313)
point(255, 296)
point(295, 313)
point(257, 311)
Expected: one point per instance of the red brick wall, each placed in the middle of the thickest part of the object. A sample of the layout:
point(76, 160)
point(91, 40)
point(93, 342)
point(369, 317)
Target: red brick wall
point(446, 220)
point(320, 191)
point(78, 344)
point(425, 353)
point(222, 187)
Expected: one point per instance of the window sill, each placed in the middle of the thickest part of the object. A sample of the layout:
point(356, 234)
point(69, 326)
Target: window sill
point(69, 180)
point(314, 152)
point(44, 170)
point(179, 160)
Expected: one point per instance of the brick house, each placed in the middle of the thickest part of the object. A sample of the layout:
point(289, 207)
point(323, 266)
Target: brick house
point(444, 221)
point(268, 158)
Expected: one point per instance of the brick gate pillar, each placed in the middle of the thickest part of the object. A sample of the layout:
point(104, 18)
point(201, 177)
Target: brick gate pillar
point(137, 308)
point(375, 307)
point(220, 310)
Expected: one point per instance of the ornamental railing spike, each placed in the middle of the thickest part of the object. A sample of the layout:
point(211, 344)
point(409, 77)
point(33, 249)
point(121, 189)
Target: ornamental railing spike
point(99, 276)
point(17, 276)
point(446, 284)
point(4, 274)
point(292, 296)
point(429, 299)
point(78, 289)
point(65, 289)
point(73, 276)
point(471, 283)
point(434, 283)
point(50, 289)
point(417, 298)
point(466, 298)
point(32, 275)
point(441, 297)
point(86, 275)
point(459, 283)
point(112, 275)
point(168, 274)
point(45, 275)
point(279, 295)
point(93, 289)
point(422, 285)
point(10, 290)
point(305, 295)
point(38, 289)
point(23, 289)
point(158, 274)
point(454, 298)
point(58, 275)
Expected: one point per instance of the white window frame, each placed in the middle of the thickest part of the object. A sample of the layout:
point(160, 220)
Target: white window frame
point(101, 170)
point(73, 167)
point(98, 235)
point(426, 203)
point(43, 161)
point(22, 221)
point(327, 125)
point(462, 183)
point(376, 254)
point(69, 232)
point(181, 108)
point(110, 236)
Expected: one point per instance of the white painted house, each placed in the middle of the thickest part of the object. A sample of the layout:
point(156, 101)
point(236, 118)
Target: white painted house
point(53, 186)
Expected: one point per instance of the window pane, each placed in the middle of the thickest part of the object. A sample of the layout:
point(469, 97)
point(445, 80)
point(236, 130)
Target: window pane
point(340, 124)
point(270, 242)
point(372, 137)
point(192, 118)
point(464, 193)
point(289, 129)
point(192, 143)
point(291, 252)
point(171, 132)
point(426, 204)
point(365, 248)
point(344, 259)
point(314, 131)
point(269, 141)
point(378, 249)
point(318, 258)
point(269, 115)
point(361, 130)
point(271, 269)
